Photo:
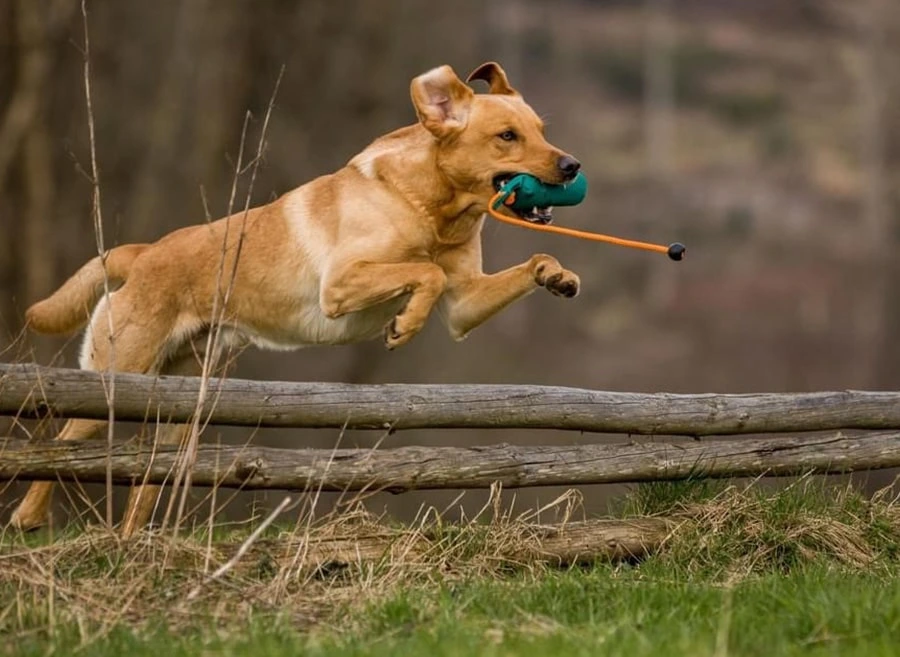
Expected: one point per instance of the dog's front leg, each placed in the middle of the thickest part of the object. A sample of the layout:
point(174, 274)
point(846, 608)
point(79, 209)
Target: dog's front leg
point(364, 284)
point(474, 298)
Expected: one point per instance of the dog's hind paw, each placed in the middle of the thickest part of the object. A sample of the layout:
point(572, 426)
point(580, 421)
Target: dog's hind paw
point(395, 335)
point(27, 522)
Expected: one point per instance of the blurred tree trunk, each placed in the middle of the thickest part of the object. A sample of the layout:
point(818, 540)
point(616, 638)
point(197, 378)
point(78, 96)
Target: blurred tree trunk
point(879, 310)
point(880, 90)
point(659, 88)
point(26, 157)
point(502, 34)
point(165, 131)
point(659, 120)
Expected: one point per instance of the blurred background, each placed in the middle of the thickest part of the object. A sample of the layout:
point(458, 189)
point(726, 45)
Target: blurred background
point(763, 135)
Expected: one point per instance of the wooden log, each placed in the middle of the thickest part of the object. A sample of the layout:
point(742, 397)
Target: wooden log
point(407, 468)
point(574, 542)
point(31, 391)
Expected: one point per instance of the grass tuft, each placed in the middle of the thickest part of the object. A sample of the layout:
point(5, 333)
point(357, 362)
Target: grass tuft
point(743, 531)
point(353, 583)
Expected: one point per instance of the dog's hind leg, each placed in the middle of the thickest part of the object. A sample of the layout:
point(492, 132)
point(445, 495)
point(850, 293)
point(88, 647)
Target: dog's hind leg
point(142, 499)
point(136, 345)
point(32, 510)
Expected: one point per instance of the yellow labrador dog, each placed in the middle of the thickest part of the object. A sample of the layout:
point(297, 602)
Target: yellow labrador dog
point(367, 251)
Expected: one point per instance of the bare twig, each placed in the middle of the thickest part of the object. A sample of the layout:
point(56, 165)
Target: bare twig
point(184, 466)
point(220, 303)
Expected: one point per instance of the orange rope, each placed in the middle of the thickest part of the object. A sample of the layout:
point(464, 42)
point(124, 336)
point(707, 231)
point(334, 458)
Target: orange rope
point(571, 232)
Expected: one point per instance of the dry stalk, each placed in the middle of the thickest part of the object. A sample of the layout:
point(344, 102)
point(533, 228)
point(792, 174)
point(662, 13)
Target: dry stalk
point(242, 550)
point(182, 473)
point(97, 215)
point(300, 554)
point(220, 303)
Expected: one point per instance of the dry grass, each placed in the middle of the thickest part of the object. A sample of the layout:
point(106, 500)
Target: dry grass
point(739, 531)
point(319, 570)
point(92, 579)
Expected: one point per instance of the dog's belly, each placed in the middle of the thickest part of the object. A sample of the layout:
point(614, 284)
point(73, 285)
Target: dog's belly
point(309, 326)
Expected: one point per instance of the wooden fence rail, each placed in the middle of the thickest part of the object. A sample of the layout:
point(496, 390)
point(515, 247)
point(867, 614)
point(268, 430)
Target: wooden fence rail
point(406, 468)
point(31, 391)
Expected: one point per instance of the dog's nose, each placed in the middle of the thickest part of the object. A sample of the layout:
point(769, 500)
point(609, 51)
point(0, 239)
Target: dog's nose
point(569, 166)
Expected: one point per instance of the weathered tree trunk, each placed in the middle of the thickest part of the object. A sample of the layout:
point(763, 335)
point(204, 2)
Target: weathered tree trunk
point(33, 391)
point(571, 543)
point(408, 468)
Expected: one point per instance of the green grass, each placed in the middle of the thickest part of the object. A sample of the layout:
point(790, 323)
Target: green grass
point(639, 611)
point(631, 611)
point(798, 570)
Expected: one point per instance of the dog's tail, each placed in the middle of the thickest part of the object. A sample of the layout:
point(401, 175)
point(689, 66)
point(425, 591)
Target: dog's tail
point(70, 307)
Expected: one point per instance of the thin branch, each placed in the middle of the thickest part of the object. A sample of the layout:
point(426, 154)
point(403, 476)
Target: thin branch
point(211, 355)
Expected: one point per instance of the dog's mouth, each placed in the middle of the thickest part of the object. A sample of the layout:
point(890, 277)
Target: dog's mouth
point(533, 215)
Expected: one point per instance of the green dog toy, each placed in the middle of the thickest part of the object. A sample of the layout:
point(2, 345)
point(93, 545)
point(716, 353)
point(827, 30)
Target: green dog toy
point(531, 201)
point(531, 198)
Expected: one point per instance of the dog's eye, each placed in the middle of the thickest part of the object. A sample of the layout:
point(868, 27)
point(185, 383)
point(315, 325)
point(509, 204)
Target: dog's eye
point(508, 135)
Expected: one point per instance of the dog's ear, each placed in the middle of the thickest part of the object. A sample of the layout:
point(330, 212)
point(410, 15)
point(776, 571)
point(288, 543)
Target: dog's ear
point(495, 76)
point(442, 101)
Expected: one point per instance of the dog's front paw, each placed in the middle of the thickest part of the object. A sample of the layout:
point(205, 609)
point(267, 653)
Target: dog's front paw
point(564, 284)
point(550, 274)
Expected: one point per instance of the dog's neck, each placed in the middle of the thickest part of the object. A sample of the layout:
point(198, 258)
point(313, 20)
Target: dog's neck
point(415, 174)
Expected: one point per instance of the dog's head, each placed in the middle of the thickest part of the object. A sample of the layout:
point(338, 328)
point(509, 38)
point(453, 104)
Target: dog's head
point(484, 139)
